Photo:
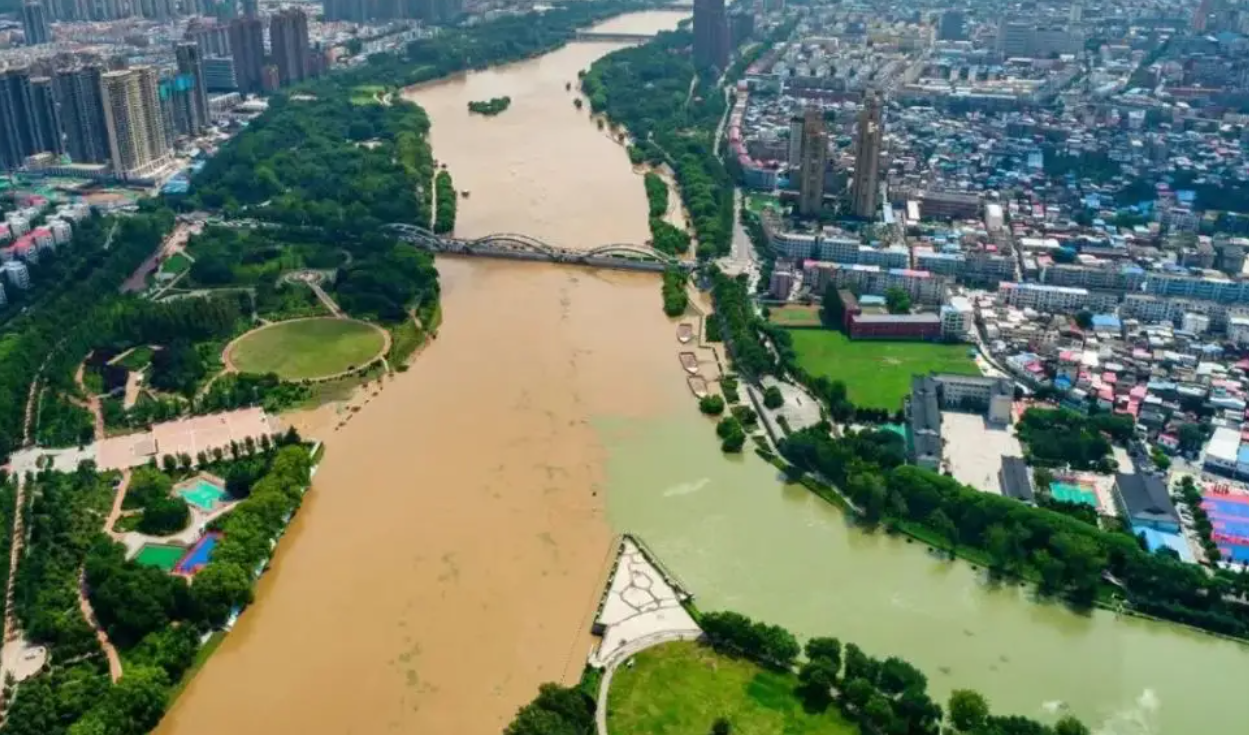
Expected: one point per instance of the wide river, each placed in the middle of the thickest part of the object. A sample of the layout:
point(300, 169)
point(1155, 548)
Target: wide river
point(451, 551)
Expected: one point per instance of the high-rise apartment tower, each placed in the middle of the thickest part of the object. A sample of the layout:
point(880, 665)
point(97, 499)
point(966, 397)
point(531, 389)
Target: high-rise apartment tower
point(711, 35)
point(247, 46)
point(288, 37)
point(35, 24)
point(865, 189)
point(191, 65)
point(814, 161)
point(78, 91)
point(132, 116)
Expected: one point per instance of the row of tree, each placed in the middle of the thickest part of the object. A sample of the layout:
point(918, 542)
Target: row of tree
point(647, 89)
point(444, 203)
point(675, 298)
point(884, 696)
point(1065, 555)
point(740, 326)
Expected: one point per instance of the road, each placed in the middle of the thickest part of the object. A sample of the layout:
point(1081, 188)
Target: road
point(741, 257)
point(624, 654)
point(175, 242)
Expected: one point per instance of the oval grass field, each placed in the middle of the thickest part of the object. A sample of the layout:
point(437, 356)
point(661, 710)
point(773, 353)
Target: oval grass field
point(307, 348)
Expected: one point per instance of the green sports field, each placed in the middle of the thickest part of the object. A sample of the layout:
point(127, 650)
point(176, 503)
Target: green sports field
point(161, 556)
point(877, 374)
point(795, 316)
point(307, 348)
point(680, 688)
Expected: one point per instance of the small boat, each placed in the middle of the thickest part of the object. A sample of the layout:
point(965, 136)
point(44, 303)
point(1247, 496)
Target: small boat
point(685, 332)
point(464, 193)
point(698, 386)
point(689, 361)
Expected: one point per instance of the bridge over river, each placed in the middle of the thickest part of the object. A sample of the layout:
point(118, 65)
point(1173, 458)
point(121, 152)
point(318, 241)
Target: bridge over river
point(513, 246)
point(607, 36)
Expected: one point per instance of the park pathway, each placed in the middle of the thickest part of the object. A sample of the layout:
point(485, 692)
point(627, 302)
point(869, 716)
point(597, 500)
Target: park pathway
point(110, 651)
point(84, 600)
point(93, 401)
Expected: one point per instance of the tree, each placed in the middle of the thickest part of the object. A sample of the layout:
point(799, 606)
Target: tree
point(878, 713)
point(712, 405)
point(941, 525)
point(968, 710)
point(220, 587)
point(1069, 725)
point(857, 692)
point(772, 397)
point(897, 301)
point(1084, 319)
point(818, 678)
point(721, 726)
point(164, 516)
point(828, 649)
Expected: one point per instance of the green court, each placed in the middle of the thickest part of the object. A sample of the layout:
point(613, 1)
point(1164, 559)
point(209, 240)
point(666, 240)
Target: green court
point(161, 556)
point(203, 495)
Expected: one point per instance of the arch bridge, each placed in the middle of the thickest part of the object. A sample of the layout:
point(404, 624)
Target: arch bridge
point(518, 246)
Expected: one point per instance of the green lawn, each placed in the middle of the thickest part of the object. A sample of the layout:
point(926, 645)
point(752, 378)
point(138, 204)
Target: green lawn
point(175, 264)
point(137, 359)
point(308, 348)
point(681, 688)
point(876, 374)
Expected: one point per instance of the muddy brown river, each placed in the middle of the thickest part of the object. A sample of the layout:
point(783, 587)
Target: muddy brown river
point(451, 551)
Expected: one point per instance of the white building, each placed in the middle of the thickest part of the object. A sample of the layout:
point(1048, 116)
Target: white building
point(1238, 329)
point(1222, 449)
point(62, 231)
point(1195, 323)
point(1049, 299)
point(956, 318)
point(17, 273)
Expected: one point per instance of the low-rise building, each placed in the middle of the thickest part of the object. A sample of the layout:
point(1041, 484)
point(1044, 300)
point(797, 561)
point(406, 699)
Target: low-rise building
point(1050, 299)
point(1144, 502)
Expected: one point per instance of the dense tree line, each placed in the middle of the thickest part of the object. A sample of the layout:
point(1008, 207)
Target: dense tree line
point(388, 282)
point(65, 516)
point(155, 619)
point(444, 203)
point(324, 162)
point(656, 194)
point(675, 298)
point(96, 277)
point(1066, 556)
point(1062, 437)
point(240, 390)
point(556, 710)
point(668, 238)
point(647, 90)
point(741, 326)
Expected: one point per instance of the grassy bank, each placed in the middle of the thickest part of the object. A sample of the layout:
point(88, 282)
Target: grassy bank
point(681, 688)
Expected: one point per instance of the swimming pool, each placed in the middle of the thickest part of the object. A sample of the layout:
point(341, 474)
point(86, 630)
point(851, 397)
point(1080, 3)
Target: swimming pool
point(1072, 493)
point(203, 495)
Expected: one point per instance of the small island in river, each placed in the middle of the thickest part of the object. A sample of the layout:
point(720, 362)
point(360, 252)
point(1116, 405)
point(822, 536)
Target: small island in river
point(490, 107)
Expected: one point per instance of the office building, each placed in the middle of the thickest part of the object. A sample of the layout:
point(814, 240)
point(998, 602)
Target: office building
point(190, 61)
point(18, 135)
point(247, 47)
point(711, 35)
point(46, 117)
point(814, 161)
point(288, 38)
point(865, 189)
point(35, 24)
point(132, 115)
point(931, 394)
point(78, 91)
point(950, 27)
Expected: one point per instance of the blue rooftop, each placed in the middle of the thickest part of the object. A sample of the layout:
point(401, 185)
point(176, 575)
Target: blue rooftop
point(1156, 539)
point(1107, 321)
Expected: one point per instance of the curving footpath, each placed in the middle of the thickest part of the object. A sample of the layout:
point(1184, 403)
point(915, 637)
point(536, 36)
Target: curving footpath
point(624, 653)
